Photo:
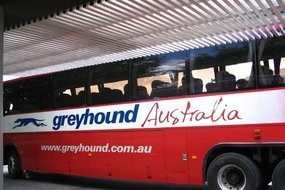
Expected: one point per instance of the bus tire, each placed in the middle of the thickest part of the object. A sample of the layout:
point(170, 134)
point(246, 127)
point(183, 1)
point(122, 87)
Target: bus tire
point(14, 166)
point(278, 176)
point(232, 171)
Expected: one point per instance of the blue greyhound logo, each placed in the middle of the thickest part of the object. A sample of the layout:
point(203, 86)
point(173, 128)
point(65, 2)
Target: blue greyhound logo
point(25, 121)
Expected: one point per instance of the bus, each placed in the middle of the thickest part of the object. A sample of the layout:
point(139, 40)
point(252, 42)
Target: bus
point(212, 116)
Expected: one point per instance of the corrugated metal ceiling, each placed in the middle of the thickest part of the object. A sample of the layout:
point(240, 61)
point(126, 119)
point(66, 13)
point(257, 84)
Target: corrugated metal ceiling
point(124, 29)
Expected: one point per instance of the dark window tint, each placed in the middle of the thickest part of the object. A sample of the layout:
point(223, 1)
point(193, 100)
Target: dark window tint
point(218, 68)
point(29, 95)
point(271, 56)
point(70, 88)
point(108, 83)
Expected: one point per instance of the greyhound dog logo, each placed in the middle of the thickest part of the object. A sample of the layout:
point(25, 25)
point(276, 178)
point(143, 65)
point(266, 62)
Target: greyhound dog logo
point(25, 121)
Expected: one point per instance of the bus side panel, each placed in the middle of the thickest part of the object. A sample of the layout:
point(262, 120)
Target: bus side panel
point(128, 155)
point(105, 163)
point(176, 155)
point(149, 166)
point(155, 155)
point(77, 162)
point(198, 146)
point(159, 160)
point(57, 159)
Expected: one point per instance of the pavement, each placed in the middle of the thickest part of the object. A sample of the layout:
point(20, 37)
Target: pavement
point(45, 182)
point(61, 182)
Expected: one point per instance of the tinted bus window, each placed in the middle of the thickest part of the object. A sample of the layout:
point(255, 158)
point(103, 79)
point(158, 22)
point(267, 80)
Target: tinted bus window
point(13, 98)
point(33, 94)
point(271, 58)
point(159, 76)
point(221, 68)
point(107, 82)
point(38, 93)
point(69, 88)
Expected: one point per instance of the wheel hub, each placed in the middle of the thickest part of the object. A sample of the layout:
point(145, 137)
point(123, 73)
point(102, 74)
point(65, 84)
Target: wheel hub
point(11, 165)
point(231, 177)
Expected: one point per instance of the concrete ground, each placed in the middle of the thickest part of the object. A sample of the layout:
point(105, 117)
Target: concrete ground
point(59, 182)
point(46, 182)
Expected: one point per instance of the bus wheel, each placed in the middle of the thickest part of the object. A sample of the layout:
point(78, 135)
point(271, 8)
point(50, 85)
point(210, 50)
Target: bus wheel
point(14, 167)
point(233, 171)
point(278, 176)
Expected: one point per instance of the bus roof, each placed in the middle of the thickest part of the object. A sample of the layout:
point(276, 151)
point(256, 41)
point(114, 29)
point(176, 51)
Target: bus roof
point(120, 30)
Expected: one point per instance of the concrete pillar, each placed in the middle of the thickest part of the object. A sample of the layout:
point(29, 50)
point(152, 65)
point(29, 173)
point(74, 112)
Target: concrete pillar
point(1, 94)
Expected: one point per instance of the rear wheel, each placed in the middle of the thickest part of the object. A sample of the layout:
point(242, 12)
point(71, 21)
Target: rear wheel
point(233, 171)
point(278, 176)
point(14, 167)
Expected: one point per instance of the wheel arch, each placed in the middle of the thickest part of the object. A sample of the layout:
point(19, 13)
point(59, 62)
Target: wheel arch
point(7, 149)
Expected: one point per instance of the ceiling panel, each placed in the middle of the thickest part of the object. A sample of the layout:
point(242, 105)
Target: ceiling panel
point(122, 29)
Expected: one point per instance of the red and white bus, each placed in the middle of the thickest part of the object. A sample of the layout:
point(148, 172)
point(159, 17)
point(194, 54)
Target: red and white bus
point(213, 115)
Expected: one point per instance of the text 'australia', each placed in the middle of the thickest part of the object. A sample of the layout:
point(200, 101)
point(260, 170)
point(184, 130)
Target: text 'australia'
point(96, 118)
point(219, 112)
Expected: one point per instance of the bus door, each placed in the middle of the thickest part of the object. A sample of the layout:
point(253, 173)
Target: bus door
point(176, 155)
